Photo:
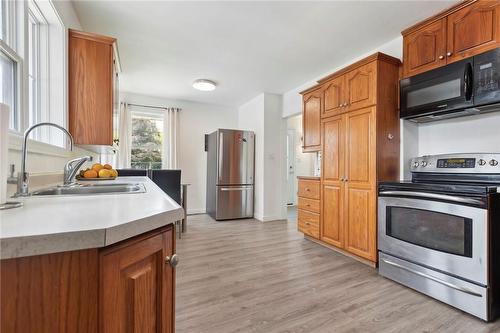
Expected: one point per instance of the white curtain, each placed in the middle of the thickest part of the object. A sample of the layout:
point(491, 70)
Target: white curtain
point(125, 137)
point(170, 138)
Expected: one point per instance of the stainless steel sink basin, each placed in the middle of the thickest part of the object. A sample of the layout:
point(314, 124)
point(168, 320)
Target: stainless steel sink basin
point(91, 189)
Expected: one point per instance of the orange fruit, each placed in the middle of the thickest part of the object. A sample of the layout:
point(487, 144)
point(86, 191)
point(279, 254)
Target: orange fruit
point(90, 174)
point(104, 173)
point(97, 167)
point(107, 166)
point(114, 173)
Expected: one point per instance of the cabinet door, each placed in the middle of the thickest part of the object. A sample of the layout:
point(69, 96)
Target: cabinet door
point(333, 96)
point(311, 122)
point(425, 48)
point(90, 84)
point(473, 29)
point(137, 285)
point(331, 230)
point(360, 196)
point(361, 86)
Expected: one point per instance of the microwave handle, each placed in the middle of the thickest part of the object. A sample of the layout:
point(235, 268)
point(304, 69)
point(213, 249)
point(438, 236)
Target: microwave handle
point(468, 81)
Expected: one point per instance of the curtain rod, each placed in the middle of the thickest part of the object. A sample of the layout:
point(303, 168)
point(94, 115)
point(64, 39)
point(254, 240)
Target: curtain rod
point(150, 106)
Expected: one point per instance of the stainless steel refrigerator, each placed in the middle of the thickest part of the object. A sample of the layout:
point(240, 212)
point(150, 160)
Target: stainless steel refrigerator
point(230, 173)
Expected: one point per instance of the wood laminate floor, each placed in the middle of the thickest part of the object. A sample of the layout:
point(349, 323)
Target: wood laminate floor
point(248, 276)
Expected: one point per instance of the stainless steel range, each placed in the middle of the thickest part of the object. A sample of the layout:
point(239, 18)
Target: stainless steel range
point(440, 232)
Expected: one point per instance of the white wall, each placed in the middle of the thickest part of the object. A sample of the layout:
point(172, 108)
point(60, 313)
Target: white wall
point(263, 116)
point(195, 120)
point(480, 133)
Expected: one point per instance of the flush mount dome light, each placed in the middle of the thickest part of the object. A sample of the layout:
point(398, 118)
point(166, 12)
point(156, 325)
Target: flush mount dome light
point(204, 85)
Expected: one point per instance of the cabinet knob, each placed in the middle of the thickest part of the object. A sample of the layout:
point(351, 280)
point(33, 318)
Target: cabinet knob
point(441, 57)
point(345, 104)
point(449, 54)
point(172, 261)
point(340, 105)
point(307, 223)
point(307, 189)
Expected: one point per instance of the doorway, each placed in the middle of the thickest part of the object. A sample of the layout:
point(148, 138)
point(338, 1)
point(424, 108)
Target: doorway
point(297, 162)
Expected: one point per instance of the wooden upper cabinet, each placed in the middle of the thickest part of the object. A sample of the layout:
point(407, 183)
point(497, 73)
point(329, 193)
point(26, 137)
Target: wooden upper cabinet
point(136, 293)
point(466, 29)
point(311, 121)
point(333, 96)
point(473, 29)
point(425, 48)
point(361, 86)
point(90, 82)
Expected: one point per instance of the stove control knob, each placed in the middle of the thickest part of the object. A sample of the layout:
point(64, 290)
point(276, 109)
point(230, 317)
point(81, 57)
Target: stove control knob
point(493, 162)
point(424, 163)
point(481, 162)
point(415, 164)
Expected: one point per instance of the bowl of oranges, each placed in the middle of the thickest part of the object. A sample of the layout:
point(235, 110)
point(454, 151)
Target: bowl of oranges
point(98, 172)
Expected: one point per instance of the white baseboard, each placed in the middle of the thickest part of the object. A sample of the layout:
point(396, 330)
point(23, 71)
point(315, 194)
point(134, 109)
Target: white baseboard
point(193, 211)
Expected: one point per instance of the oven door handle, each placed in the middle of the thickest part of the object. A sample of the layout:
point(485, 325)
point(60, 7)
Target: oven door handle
point(432, 196)
point(435, 279)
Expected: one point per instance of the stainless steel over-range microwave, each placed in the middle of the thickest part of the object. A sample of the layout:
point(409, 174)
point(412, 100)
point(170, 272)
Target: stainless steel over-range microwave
point(461, 88)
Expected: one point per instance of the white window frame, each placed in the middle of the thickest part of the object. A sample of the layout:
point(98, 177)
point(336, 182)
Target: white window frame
point(18, 116)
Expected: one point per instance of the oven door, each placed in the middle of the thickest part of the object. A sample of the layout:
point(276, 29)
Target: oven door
point(437, 92)
point(449, 237)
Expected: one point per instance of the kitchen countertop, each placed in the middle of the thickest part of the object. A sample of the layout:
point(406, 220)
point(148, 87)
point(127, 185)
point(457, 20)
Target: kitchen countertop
point(52, 224)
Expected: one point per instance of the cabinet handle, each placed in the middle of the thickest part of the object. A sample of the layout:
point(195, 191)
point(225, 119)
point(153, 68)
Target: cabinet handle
point(307, 189)
point(441, 57)
point(307, 223)
point(449, 54)
point(172, 261)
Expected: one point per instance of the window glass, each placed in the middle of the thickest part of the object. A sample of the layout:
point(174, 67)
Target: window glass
point(33, 57)
point(147, 139)
point(8, 68)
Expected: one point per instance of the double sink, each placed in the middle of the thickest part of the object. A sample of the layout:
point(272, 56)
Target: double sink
point(91, 189)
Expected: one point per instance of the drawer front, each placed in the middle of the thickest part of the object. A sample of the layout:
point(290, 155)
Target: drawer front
point(308, 223)
point(308, 189)
point(311, 205)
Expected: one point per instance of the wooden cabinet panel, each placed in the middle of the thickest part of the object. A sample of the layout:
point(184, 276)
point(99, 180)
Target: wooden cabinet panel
point(137, 285)
point(333, 96)
point(308, 223)
point(311, 205)
point(361, 223)
point(473, 29)
point(332, 216)
point(308, 189)
point(311, 122)
point(90, 82)
point(333, 150)
point(361, 87)
point(360, 163)
point(52, 293)
point(425, 48)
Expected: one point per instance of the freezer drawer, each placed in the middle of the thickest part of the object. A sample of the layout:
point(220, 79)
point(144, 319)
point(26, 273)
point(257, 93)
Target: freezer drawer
point(234, 202)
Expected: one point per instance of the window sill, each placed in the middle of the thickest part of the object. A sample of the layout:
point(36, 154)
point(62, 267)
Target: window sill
point(36, 147)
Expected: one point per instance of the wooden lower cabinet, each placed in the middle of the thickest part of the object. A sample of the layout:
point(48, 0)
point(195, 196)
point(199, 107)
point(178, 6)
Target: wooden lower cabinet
point(332, 214)
point(137, 287)
point(308, 206)
point(127, 287)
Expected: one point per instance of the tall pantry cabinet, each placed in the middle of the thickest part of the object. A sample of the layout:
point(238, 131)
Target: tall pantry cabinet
point(360, 147)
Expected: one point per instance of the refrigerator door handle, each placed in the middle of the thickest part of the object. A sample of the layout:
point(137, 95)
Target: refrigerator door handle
point(248, 188)
point(220, 156)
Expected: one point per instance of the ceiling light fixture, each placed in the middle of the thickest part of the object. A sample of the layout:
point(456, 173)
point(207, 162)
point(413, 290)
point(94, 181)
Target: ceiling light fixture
point(204, 85)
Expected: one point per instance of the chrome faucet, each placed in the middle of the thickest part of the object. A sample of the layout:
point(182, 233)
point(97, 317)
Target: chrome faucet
point(71, 168)
point(23, 177)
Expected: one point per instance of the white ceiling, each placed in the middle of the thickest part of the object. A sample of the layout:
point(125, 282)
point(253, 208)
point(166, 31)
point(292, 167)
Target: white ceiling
point(246, 47)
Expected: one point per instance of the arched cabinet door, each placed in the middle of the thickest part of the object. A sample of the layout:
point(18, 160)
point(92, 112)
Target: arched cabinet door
point(334, 97)
point(473, 30)
point(425, 48)
point(361, 87)
point(311, 121)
